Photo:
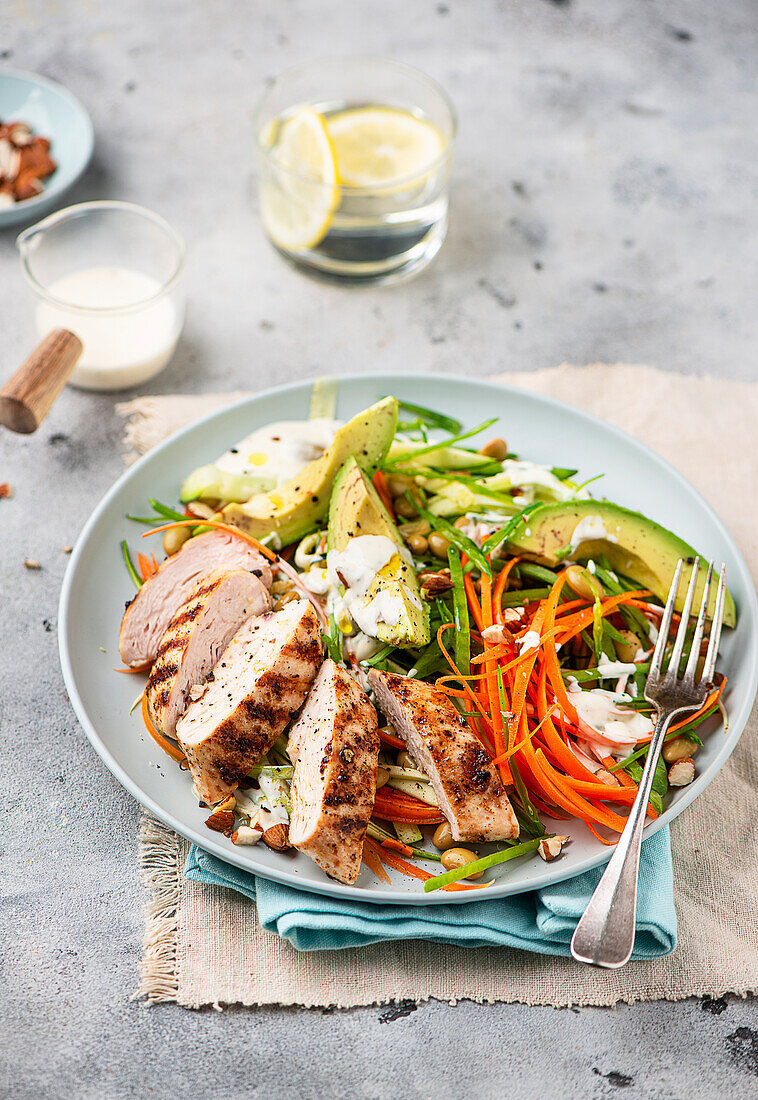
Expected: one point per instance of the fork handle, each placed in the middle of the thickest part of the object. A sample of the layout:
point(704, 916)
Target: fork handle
point(605, 934)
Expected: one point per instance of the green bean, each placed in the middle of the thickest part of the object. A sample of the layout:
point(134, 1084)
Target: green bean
point(460, 612)
point(128, 562)
point(481, 865)
point(404, 457)
point(457, 538)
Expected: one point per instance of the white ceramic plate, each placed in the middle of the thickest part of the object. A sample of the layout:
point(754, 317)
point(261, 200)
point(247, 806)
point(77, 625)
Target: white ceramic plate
point(96, 586)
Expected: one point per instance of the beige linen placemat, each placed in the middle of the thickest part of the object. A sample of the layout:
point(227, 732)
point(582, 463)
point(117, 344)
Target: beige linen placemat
point(203, 944)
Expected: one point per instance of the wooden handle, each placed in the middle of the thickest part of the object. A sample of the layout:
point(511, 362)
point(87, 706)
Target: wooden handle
point(26, 399)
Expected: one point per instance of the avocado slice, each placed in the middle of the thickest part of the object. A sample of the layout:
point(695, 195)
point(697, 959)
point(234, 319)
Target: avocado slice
point(636, 546)
point(212, 483)
point(356, 510)
point(292, 510)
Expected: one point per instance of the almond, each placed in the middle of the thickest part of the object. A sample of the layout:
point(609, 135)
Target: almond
point(277, 837)
point(434, 584)
point(222, 821)
point(550, 847)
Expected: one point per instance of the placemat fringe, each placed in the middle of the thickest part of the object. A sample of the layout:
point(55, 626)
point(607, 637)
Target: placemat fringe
point(159, 872)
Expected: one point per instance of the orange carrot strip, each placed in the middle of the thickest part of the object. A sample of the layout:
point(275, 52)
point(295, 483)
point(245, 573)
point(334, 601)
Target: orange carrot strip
point(473, 602)
point(585, 808)
point(497, 595)
point(469, 692)
point(507, 755)
point(597, 836)
point(396, 846)
point(217, 526)
point(172, 750)
point(380, 484)
point(390, 739)
point(416, 872)
point(372, 860)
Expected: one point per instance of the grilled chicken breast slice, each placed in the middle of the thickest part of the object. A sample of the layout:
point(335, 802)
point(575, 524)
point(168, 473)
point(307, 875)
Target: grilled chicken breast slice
point(147, 617)
point(466, 783)
point(259, 682)
point(334, 745)
point(197, 636)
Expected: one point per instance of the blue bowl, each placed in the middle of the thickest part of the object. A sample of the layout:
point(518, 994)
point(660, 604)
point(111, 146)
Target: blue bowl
point(54, 113)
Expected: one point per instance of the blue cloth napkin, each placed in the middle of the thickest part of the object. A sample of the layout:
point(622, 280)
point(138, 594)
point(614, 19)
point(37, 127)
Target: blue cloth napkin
point(542, 921)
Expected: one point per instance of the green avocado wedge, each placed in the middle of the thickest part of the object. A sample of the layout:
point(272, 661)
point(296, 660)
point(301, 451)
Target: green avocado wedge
point(356, 510)
point(636, 546)
point(302, 503)
point(212, 483)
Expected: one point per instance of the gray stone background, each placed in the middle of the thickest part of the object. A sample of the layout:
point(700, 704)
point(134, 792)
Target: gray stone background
point(603, 209)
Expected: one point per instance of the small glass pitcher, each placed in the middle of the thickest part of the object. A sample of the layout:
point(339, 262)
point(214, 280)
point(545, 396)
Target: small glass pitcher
point(110, 272)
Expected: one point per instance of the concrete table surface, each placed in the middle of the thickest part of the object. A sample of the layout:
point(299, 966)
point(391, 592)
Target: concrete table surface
point(603, 209)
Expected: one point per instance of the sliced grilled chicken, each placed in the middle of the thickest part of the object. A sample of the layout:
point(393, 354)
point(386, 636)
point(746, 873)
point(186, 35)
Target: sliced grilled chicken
point(147, 616)
point(197, 636)
point(259, 682)
point(334, 745)
point(464, 779)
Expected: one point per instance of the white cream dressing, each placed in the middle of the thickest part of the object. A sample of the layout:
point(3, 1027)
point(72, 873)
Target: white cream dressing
point(278, 452)
point(530, 641)
point(590, 529)
point(316, 580)
point(530, 476)
point(601, 710)
point(612, 670)
point(356, 568)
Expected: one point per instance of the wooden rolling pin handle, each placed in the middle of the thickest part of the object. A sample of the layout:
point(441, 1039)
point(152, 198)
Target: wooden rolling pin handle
point(26, 399)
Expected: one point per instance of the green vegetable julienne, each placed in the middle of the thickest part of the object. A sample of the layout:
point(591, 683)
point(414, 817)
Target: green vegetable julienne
point(504, 533)
point(432, 418)
point(457, 537)
point(128, 562)
point(406, 456)
point(460, 612)
point(481, 865)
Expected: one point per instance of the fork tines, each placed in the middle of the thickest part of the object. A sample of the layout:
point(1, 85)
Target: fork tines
point(709, 666)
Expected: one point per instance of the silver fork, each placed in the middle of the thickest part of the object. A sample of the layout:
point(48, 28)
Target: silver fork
point(605, 934)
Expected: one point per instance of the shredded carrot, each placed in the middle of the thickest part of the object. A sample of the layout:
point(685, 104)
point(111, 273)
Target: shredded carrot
point(473, 602)
point(406, 817)
point(390, 739)
point(396, 846)
point(148, 566)
point(507, 755)
point(372, 860)
point(409, 869)
point(218, 527)
point(597, 835)
point(380, 484)
point(173, 751)
point(470, 694)
point(497, 595)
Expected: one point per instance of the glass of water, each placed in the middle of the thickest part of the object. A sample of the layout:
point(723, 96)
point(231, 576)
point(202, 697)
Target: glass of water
point(354, 168)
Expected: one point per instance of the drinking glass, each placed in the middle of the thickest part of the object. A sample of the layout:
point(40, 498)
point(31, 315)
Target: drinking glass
point(370, 232)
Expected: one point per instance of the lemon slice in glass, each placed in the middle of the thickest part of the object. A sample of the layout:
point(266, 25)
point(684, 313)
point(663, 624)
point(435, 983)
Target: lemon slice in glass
point(378, 146)
point(299, 193)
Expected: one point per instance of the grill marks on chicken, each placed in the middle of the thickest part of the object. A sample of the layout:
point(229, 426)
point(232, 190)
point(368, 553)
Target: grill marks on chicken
point(196, 637)
point(466, 783)
point(260, 681)
point(147, 617)
point(334, 745)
